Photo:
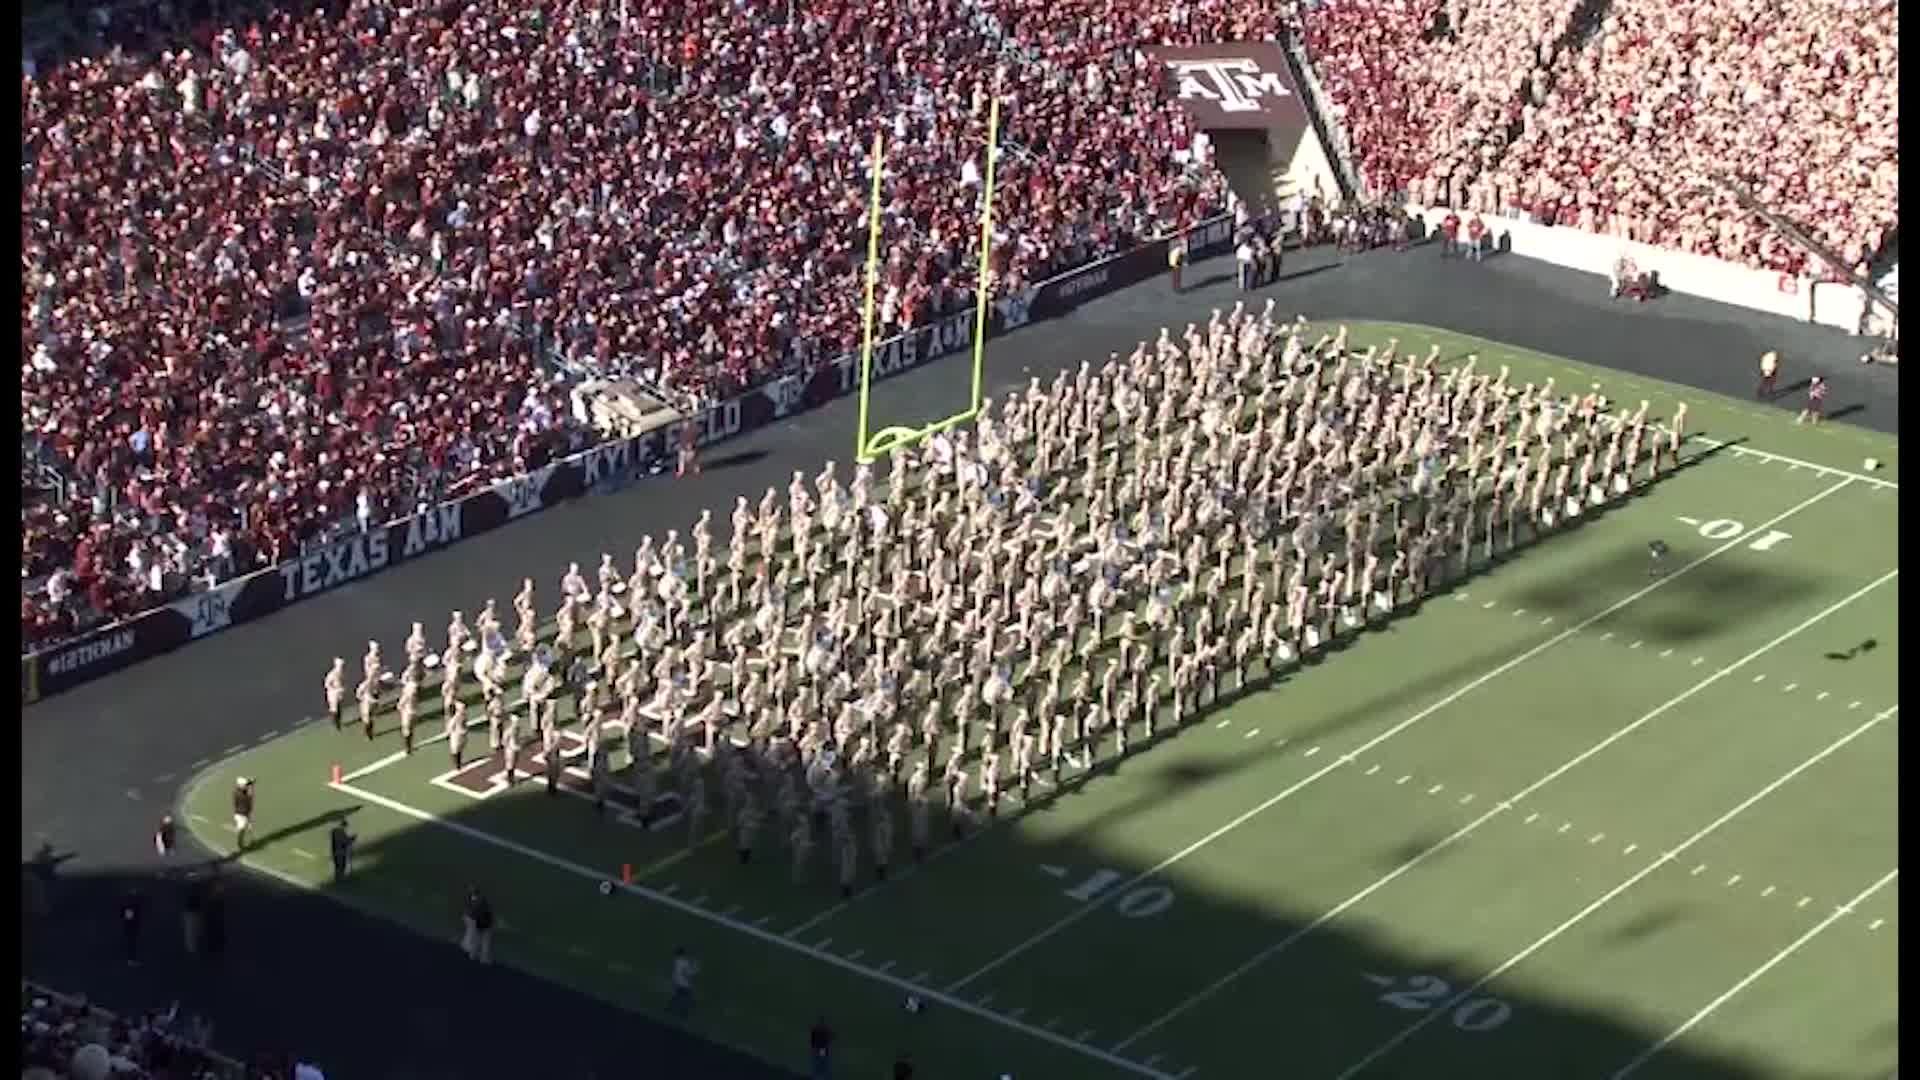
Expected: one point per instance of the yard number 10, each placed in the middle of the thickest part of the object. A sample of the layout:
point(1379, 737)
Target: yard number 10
point(1727, 529)
point(1143, 902)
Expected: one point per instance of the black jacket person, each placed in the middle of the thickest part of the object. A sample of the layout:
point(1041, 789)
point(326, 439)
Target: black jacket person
point(340, 844)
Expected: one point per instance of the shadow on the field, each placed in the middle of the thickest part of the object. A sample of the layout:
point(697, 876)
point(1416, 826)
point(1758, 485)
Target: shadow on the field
point(289, 832)
point(1425, 848)
point(1687, 608)
point(303, 976)
point(1861, 649)
point(1648, 925)
point(313, 974)
point(735, 460)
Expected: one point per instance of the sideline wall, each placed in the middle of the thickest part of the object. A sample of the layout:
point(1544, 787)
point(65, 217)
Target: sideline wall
point(1836, 304)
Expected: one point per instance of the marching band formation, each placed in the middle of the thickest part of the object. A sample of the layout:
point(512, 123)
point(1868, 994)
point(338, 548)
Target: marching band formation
point(1091, 565)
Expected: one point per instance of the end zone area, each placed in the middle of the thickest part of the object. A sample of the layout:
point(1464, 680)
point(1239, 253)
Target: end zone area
point(1572, 819)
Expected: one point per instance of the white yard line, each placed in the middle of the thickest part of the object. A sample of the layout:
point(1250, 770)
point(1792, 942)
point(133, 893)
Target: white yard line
point(1783, 459)
point(1693, 1021)
point(764, 936)
point(368, 770)
point(1502, 807)
point(1577, 917)
point(1089, 908)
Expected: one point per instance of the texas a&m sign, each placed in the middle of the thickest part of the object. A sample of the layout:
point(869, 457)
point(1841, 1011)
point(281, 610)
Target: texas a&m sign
point(1246, 86)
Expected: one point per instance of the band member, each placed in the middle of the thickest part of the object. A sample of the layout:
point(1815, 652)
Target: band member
point(405, 707)
point(457, 732)
point(335, 687)
point(550, 756)
point(367, 694)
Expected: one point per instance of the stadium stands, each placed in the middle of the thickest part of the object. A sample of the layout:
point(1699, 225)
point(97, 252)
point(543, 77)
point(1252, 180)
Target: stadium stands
point(306, 271)
point(1608, 117)
point(295, 271)
point(63, 1037)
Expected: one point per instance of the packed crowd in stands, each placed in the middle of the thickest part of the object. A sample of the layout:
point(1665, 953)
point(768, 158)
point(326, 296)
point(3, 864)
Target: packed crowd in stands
point(289, 272)
point(1613, 116)
point(64, 1038)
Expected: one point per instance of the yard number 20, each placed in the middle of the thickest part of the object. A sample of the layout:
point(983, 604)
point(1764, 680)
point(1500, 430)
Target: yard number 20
point(1419, 993)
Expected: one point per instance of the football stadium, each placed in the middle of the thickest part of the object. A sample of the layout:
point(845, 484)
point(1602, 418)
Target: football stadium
point(1195, 542)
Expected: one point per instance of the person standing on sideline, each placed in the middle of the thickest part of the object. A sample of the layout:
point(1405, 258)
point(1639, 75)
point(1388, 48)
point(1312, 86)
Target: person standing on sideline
point(689, 464)
point(680, 1003)
point(340, 844)
point(133, 912)
point(1450, 235)
point(1816, 409)
point(43, 870)
point(477, 941)
point(1243, 257)
point(165, 838)
point(1176, 259)
point(820, 1050)
point(1769, 374)
point(1476, 238)
point(242, 813)
point(550, 753)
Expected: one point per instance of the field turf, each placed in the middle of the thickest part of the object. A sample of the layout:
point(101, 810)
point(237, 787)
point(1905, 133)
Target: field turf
point(1569, 820)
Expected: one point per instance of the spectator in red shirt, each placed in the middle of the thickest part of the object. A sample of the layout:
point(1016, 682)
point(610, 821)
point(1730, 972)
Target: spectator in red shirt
point(1477, 239)
point(1449, 234)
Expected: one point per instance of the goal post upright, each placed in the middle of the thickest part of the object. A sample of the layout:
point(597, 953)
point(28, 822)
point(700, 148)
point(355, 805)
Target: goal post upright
point(873, 274)
point(871, 445)
point(981, 289)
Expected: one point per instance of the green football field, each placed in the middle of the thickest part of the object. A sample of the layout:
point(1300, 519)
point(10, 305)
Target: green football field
point(1567, 820)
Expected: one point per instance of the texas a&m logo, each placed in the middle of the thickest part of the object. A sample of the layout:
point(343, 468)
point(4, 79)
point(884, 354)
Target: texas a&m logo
point(1235, 85)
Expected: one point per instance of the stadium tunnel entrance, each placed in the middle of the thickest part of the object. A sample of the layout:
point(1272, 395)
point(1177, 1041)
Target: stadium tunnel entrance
point(1252, 121)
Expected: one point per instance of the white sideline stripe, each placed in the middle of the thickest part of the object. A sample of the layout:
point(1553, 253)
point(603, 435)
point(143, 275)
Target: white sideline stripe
point(1768, 455)
point(1819, 928)
point(1089, 908)
point(765, 937)
point(421, 744)
point(1272, 950)
point(368, 770)
point(1520, 957)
